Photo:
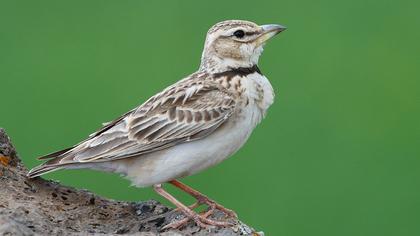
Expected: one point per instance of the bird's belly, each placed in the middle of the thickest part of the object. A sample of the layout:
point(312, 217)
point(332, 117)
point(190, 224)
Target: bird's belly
point(189, 158)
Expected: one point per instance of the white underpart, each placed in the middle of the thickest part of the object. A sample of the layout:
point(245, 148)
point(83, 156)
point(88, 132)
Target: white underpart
point(192, 157)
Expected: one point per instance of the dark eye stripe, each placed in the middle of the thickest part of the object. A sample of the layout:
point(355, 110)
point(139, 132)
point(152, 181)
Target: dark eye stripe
point(250, 33)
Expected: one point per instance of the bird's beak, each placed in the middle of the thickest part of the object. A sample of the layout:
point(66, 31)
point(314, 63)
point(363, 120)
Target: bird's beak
point(269, 31)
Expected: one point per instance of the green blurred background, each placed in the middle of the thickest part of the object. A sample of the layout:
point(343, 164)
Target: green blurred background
point(339, 152)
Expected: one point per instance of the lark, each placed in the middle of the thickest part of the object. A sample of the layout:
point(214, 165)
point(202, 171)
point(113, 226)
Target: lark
point(188, 127)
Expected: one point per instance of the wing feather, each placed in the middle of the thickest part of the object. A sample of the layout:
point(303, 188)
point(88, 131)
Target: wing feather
point(179, 114)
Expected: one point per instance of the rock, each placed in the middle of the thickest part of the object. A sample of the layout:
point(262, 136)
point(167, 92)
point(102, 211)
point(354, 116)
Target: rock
point(42, 207)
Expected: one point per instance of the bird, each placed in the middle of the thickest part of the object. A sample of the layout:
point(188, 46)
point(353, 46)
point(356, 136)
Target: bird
point(188, 127)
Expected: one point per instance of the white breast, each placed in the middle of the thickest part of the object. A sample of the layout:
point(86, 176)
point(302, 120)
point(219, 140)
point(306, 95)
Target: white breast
point(258, 88)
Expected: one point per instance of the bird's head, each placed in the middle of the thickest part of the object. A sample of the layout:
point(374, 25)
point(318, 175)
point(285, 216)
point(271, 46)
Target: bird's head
point(235, 43)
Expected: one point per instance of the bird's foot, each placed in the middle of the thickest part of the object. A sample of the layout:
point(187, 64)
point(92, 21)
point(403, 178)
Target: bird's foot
point(202, 219)
point(214, 205)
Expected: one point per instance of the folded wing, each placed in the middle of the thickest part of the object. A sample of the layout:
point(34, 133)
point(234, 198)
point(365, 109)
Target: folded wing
point(179, 114)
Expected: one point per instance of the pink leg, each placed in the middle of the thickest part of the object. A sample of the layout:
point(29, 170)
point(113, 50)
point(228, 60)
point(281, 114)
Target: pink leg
point(203, 199)
point(200, 220)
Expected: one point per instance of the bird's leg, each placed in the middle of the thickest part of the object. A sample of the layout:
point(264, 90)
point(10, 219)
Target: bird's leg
point(203, 199)
point(200, 220)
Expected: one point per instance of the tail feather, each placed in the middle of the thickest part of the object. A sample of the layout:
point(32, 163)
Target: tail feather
point(50, 165)
point(43, 169)
point(55, 154)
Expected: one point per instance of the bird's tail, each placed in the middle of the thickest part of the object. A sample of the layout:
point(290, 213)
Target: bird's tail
point(51, 165)
point(42, 169)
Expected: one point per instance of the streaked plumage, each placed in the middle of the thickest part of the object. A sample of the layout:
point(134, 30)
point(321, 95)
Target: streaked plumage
point(191, 125)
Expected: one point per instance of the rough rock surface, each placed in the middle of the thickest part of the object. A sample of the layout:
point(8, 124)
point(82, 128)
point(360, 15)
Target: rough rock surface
point(41, 207)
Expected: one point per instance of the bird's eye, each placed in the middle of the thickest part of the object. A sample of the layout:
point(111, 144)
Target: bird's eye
point(239, 34)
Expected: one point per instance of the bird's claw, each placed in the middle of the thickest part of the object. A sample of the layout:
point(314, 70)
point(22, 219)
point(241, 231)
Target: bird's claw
point(200, 219)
